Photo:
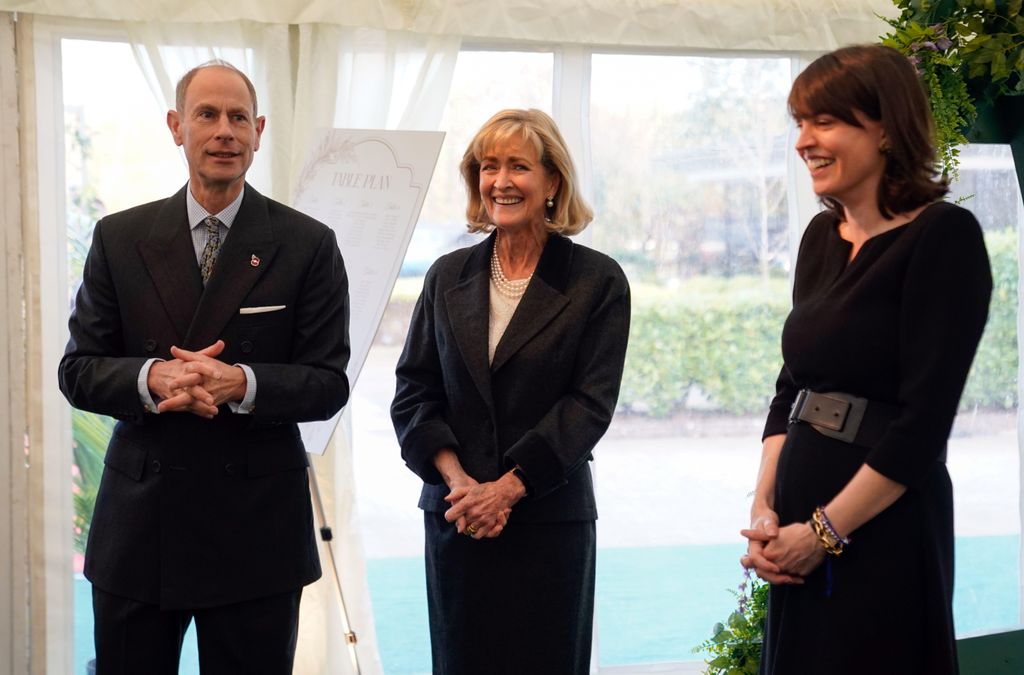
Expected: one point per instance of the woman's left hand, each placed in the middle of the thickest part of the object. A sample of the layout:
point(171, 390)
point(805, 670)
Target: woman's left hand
point(485, 506)
point(796, 550)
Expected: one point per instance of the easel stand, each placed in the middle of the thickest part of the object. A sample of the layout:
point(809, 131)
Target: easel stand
point(326, 536)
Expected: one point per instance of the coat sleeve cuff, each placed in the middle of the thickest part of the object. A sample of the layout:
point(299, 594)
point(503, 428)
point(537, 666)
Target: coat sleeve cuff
point(539, 462)
point(142, 385)
point(419, 449)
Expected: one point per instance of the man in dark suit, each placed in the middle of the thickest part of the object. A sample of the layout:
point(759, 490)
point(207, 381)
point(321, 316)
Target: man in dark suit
point(209, 324)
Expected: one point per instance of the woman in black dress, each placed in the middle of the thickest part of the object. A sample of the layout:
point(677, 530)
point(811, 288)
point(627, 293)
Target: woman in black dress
point(508, 379)
point(852, 521)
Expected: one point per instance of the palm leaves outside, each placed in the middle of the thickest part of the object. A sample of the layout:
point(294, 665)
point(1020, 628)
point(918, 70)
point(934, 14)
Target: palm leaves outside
point(90, 435)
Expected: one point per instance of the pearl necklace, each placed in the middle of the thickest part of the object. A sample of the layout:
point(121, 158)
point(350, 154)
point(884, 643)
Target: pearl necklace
point(509, 288)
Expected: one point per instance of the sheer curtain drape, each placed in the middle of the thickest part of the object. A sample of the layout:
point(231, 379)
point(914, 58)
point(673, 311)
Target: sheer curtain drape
point(368, 78)
point(363, 78)
point(310, 77)
point(165, 51)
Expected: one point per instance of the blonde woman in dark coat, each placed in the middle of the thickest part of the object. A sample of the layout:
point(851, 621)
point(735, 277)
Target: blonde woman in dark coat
point(509, 378)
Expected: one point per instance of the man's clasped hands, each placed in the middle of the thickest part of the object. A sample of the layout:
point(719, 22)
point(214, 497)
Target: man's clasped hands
point(195, 381)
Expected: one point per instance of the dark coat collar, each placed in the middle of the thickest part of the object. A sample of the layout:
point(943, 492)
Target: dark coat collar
point(553, 267)
point(468, 304)
point(199, 315)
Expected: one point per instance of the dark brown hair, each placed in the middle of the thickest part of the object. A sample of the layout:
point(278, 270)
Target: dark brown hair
point(883, 85)
point(186, 79)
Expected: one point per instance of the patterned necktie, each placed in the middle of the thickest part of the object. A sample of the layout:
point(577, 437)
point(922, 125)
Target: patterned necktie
point(211, 249)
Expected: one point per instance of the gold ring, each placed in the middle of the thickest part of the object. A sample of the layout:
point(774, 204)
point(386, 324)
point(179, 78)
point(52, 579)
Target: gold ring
point(470, 530)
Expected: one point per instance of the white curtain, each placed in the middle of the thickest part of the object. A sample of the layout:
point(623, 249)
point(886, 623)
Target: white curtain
point(309, 77)
point(363, 78)
point(782, 25)
point(165, 51)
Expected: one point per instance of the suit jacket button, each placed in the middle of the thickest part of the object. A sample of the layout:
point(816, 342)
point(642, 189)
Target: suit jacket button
point(156, 466)
point(229, 469)
point(246, 347)
point(150, 345)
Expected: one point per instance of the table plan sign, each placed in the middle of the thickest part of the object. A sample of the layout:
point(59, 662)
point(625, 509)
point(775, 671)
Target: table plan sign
point(368, 186)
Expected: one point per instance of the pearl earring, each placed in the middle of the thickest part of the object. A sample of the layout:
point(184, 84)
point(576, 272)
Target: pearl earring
point(550, 203)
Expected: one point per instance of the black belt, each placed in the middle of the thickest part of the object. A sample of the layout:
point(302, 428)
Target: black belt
point(848, 418)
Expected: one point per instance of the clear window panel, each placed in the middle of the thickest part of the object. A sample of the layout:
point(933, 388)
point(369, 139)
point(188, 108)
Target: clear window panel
point(690, 181)
point(118, 153)
point(984, 451)
point(391, 523)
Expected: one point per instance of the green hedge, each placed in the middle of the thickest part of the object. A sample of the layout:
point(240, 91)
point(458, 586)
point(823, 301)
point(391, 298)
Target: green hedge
point(993, 379)
point(710, 343)
point(714, 343)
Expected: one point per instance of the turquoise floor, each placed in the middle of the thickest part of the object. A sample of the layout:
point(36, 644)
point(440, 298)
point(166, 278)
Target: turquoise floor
point(653, 604)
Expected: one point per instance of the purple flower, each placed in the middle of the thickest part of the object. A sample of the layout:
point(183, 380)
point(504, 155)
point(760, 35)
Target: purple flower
point(742, 588)
point(943, 43)
point(928, 44)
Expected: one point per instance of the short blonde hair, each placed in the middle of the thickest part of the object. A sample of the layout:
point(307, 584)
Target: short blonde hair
point(570, 214)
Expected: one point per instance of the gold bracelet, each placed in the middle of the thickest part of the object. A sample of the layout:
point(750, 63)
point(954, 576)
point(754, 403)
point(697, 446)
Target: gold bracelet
point(830, 543)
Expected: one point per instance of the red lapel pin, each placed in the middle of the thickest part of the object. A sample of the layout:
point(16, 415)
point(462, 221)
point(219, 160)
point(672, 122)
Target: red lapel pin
point(254, 261)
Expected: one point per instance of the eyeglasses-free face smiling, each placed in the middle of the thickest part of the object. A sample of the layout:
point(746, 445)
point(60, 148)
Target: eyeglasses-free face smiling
point(846, 161)
point(514, 185)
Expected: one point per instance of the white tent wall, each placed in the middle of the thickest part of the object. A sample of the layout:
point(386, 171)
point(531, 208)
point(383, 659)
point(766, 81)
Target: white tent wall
point(14, 586)
point(783, 25)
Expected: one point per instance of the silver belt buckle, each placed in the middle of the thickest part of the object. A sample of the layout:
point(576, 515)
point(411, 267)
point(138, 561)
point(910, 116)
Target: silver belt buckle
point(797, 407)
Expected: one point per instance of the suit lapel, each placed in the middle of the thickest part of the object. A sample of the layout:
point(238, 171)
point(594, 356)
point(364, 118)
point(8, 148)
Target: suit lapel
point(170, 258)
point(468, 306)
point(544, 299)
point(246, 254)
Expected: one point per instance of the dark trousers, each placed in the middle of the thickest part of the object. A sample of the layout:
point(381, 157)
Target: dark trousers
point(255, 637)
point(520, 604)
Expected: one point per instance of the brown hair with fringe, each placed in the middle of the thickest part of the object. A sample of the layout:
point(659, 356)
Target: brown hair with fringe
point(882, 84)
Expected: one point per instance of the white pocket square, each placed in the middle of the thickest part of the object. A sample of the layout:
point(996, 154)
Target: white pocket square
point(260, 310)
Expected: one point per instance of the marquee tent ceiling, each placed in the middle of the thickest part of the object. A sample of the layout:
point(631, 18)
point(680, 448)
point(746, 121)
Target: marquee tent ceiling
point(736, 25)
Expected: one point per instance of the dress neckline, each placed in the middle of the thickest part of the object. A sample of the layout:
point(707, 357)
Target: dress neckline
point(847, 244)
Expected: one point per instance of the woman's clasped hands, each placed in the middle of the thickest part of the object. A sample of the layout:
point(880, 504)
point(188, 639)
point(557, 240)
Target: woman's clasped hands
point(481, 510)
point(780, 555)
